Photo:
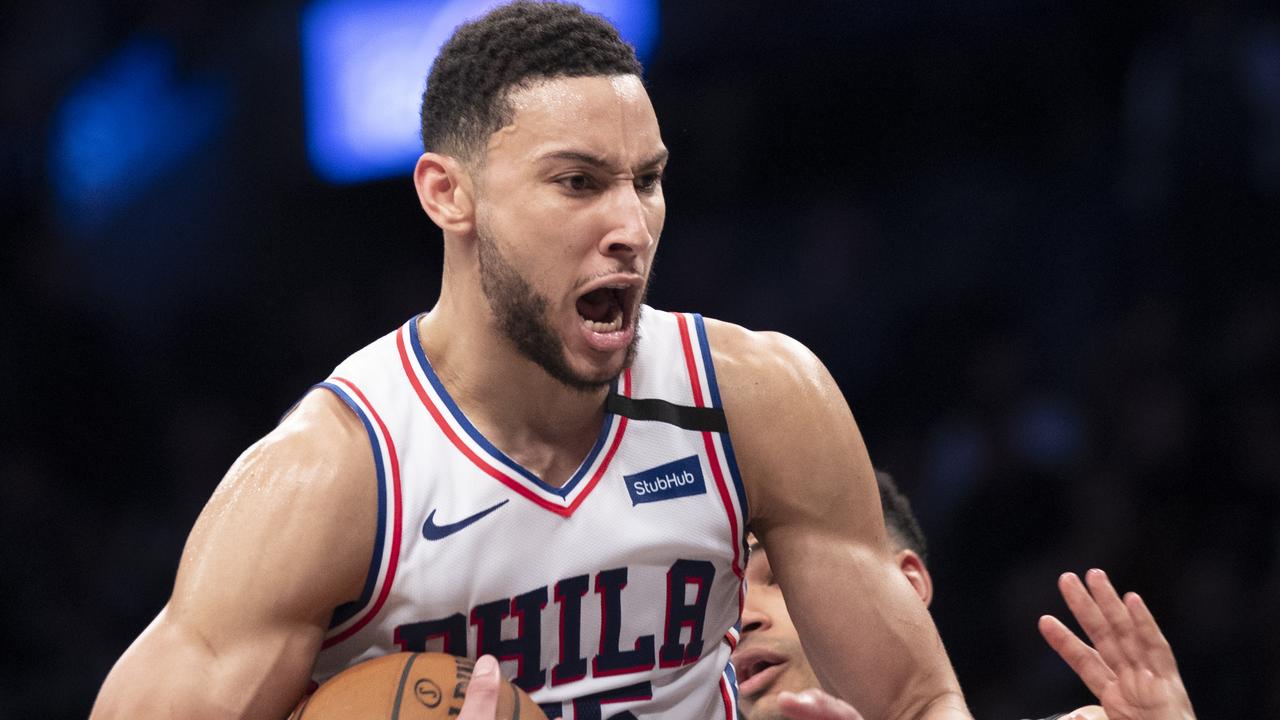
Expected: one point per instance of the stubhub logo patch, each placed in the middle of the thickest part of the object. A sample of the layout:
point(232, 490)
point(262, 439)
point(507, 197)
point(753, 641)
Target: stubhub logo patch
point(677, 479)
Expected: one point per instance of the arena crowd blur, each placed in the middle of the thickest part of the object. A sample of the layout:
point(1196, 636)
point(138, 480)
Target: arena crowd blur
point(1035, 242)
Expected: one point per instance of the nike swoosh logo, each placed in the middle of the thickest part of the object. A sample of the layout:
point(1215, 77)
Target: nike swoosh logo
point(432, 531)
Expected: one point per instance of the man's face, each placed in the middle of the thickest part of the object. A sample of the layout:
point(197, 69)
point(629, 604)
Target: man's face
point(769, 658)
point(569, 210)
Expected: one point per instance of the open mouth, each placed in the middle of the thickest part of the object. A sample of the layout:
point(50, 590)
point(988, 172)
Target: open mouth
point(604, 309)
point(757, 669)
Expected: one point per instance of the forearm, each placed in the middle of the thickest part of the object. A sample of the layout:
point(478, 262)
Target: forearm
point(876, 646)
point(172, 672)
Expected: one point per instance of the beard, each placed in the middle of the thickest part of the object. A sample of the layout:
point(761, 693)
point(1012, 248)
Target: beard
point(520, 313)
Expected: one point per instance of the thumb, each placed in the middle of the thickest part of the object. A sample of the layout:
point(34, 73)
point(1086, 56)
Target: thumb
point(481, 702)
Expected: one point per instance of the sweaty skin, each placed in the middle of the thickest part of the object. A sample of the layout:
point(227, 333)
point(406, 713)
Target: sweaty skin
point(284, 539)
point(569, 198)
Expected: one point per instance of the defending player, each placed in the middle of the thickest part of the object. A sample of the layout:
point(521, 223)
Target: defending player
point(552, 479)
point(777, 679)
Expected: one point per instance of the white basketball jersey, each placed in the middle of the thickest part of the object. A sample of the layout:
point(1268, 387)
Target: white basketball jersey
point(613, 596)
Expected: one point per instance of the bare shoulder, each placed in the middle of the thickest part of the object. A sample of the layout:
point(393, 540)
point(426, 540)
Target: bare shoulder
point(286, 537)
point(792, 430)
point(303, 499)
point(757, 366)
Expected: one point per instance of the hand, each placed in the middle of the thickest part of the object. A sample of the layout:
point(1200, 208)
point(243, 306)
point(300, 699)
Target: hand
point(815, 704)
point(1130, 669)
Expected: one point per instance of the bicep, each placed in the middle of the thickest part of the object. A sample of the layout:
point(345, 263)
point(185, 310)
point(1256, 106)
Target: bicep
point(285, 538)
point(801, 453)
point(816, 509)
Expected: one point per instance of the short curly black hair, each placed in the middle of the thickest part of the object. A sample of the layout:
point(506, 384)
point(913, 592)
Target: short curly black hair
point(900, 521)
point(467, 94)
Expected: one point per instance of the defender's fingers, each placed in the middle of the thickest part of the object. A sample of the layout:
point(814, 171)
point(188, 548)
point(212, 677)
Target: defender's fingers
point(1117, 615)
point(1083, 660)
point(814, 704)
point(1092, 621)
point(1158, 651)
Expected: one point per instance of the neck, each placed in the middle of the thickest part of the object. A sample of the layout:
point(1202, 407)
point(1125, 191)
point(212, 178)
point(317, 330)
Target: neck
point(538, 421)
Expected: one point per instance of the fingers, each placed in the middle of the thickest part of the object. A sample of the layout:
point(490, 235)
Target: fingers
point(1157, 650)
point(1082, 659)
point(1117, 615)
point(1091, 618)
point(814, 704)
point(481, 701)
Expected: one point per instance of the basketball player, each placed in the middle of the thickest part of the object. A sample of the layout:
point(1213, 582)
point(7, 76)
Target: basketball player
point(777, 680)
point(541, 468)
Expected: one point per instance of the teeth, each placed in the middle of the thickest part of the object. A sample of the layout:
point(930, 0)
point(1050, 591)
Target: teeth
point(612, 326)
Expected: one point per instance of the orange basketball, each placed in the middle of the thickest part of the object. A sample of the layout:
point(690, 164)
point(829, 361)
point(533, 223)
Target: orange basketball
point(407, 686)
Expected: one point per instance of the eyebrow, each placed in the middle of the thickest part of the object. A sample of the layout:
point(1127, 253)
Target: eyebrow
point(658, 158)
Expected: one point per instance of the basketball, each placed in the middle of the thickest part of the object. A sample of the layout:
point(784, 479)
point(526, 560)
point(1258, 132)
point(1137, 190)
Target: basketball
point(407, 686)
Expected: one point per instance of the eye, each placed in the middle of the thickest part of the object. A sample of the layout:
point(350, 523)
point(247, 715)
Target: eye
point(578, 182)
point(649, 183)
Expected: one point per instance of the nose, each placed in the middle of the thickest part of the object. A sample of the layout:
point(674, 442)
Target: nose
point(628, 217)
point(754, 617)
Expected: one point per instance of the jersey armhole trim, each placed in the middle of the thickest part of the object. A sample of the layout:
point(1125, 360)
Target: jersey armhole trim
point(730, 459)
point(705, 393)
point(350, 617)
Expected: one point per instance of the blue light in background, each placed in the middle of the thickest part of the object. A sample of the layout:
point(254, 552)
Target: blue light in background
point(124, 127)
point(365, 65)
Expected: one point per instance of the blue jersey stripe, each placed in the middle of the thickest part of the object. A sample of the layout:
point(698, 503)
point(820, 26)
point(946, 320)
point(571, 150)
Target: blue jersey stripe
point(732, 675)
point(730, 459)
point(488, 447)
point(346, 611)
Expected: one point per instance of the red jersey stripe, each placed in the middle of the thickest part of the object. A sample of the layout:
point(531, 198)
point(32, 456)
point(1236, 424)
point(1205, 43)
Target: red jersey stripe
point(712, 455)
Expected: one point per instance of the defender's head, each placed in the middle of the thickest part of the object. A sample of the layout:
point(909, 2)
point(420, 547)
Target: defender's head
point(543, 167)
point(769, 659)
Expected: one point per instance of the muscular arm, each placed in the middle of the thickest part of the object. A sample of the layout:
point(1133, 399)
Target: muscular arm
point(285, 538)
point(815, 507)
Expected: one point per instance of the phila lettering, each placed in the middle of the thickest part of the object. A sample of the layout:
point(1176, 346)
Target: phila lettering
point(677, 641)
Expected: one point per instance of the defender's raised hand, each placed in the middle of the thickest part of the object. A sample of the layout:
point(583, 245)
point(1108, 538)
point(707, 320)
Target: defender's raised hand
point(1130, 668)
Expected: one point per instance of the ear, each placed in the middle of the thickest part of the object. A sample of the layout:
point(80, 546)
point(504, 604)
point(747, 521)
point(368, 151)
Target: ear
point(917, 574)
point(444, 190)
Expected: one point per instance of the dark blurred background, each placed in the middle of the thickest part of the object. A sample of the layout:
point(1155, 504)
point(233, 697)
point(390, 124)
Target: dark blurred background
point(1034, 241)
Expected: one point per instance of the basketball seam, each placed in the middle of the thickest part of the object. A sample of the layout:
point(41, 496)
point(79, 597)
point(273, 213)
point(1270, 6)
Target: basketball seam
point(404, 677)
